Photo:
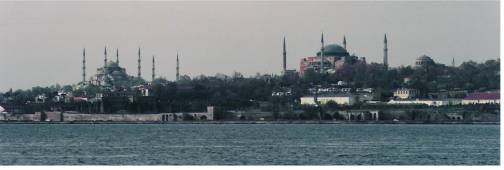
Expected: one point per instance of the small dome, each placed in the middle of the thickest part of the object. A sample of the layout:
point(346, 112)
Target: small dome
point(334, 50)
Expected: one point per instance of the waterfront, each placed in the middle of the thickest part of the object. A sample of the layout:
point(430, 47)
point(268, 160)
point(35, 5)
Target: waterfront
point(249, 144)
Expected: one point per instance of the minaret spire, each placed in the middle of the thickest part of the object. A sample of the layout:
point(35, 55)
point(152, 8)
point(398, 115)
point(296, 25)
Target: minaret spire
point(344, 42)
point(177, 76)
point(284, 57)
point(153, 69)
point(117, 56)
point(105, 59)
point(84, 65)
point(139, 74)
point(322, 54)
point(453, 62)
point(385, 52)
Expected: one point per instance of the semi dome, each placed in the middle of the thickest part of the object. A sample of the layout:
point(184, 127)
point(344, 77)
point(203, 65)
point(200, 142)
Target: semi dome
point(334, 50)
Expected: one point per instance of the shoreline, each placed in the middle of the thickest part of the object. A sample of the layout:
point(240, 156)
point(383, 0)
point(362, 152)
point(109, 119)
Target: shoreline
point(254, 122)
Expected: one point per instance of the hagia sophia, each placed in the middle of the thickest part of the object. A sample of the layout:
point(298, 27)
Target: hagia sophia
point(332, 57)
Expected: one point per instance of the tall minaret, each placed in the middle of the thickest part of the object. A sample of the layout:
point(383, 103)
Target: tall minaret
point(105, 59)
point(153, 69)
point(284, 57)
point(177, 76)
point(385, 52)
point(453, 62)
point(117, 56)
point(139, 75)
point(84, 65)
point(322, 54)
point(344, 42)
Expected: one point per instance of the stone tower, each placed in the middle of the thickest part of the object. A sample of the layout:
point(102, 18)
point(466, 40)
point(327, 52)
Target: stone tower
point(153, 69)
point(105, 59)
point(139, 73)
point(177, 76)
point(322, 54)
point(84, 65)
point(284, 57)
point(385, 52)
point(117, 56)
point(344, 42)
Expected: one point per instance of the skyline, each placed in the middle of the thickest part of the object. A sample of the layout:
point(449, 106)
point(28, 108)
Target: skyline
point(208, 34)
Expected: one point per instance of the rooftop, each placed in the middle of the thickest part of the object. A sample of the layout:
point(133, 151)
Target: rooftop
point(483, 96)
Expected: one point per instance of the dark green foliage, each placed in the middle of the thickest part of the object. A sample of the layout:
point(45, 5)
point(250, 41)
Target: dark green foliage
point(238, 92)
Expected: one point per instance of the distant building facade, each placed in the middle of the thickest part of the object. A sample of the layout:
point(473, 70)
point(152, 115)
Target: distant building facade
point(324, 99)
point(482, 98)
point(423, 60)
point(428, 102)
point(333, 59)
point(404, 93)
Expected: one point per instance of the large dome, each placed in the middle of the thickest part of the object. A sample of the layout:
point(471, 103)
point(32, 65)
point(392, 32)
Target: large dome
point(423, 60)
point(334, 50)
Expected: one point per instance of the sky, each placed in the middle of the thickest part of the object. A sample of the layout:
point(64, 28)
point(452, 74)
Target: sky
point(41, 42)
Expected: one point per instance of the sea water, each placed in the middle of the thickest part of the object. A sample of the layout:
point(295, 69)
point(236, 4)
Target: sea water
point(249, 144)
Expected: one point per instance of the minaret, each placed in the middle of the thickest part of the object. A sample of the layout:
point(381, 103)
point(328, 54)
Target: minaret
point(385, 52)
point(139, 75)
point(105, 59)
point(117, 56)
point(322, 54)
point(453, 62)
point(153, 69)
point(284, 57)
point(344, 42)
point(84, 65)
point(177, 74)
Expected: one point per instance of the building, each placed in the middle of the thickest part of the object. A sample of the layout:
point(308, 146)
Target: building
point(428, 102)
point(482, 98)
point(111, 76)
point(405, 93)
point(423, 60)
point(333, 59)
point(341, 99)
point(360, 115)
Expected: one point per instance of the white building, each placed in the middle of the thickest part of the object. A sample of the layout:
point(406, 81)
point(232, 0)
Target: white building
point(338, 99)
point(404, 93)
point(482, 98)
point(428, 102)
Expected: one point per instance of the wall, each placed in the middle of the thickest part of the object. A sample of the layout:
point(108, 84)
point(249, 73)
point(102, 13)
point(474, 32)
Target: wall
point(342, 100)
point(17, 117)
point(112, 117)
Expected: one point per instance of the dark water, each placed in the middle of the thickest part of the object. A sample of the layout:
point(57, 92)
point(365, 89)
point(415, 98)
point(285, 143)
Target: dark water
point(249, 144)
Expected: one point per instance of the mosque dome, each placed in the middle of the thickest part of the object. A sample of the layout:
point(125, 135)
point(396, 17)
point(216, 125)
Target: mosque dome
point(334, 50)
point(423, 60)
point(112, 64)
point(116, 73)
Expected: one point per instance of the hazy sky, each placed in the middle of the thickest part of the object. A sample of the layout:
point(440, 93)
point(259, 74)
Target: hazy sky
point(41, 42)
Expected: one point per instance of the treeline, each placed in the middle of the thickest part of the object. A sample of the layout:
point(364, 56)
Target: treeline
point(239, 92)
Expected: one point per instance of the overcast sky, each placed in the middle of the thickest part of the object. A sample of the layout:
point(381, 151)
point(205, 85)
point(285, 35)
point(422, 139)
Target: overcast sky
point(41, 42)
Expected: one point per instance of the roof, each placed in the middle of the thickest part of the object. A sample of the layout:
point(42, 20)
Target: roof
point(332, 95)
point(334, 50)
point(483, 96)
point(424, 58)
